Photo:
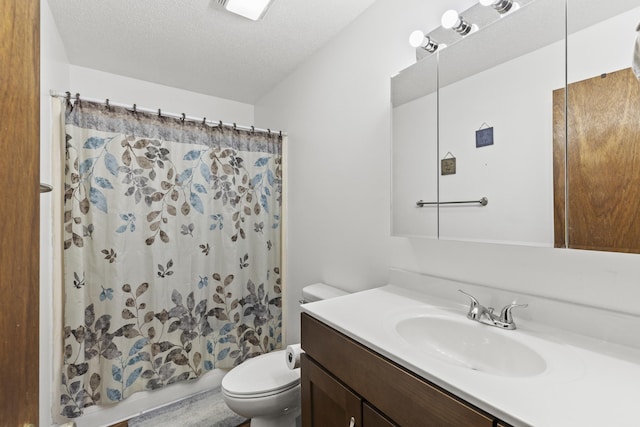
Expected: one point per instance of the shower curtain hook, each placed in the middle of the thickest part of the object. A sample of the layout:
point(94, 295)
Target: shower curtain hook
point(107, 103)
point(77, 98)
point(68, 97)
point(280, 134)
point(159, 113)
point(135, 108)
point(220, 124)
point(269, 132)
point(183, 117)
point(253, 129)
point(204, 121)
point(234, 126)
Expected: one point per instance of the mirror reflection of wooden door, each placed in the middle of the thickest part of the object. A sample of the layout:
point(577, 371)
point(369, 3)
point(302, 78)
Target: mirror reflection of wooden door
point(603, 163)
point(19, 211)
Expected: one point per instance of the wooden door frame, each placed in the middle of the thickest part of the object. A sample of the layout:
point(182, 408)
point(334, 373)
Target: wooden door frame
point(19, 211)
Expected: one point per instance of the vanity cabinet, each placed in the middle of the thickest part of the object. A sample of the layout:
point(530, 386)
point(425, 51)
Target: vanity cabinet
point(346, 384)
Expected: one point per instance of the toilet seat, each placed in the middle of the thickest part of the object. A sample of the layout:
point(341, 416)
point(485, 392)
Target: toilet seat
point(262, 376)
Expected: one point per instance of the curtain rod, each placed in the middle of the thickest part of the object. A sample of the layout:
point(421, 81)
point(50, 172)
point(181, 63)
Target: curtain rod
point(182, 116)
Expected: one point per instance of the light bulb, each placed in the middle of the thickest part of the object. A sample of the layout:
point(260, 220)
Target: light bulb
point(419, 39)
point(450, 19)
point(416, 38)
point(501, 6)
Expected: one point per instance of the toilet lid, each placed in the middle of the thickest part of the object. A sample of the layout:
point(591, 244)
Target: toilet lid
point(264, 374)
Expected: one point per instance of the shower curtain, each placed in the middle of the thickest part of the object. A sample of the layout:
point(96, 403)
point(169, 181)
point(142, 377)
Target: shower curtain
point(172, 251)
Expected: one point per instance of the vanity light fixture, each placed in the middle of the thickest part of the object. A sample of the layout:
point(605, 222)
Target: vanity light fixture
point(251, 9)
point(419, 39)
point(453, 21)
point(501, 6)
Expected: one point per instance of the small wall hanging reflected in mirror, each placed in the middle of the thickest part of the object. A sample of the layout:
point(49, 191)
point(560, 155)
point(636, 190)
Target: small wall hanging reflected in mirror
point(484, 136)
point(448, 164)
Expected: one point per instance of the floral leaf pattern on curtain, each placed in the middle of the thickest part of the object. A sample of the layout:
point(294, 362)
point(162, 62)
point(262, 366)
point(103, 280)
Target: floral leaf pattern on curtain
point(171, 252)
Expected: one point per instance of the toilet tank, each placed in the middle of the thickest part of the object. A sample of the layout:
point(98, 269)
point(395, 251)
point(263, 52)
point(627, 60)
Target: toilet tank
point(320, 291)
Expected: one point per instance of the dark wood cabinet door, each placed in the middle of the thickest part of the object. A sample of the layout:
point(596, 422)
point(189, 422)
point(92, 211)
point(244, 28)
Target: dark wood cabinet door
point(325, 401)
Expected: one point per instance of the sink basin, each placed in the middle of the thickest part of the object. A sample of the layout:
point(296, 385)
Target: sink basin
point(472, 345)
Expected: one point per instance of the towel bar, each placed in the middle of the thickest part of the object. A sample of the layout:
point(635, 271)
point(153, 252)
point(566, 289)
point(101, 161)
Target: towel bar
point(483, 202)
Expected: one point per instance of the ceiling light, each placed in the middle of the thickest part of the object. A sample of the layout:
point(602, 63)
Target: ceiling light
point(252, 9)
point(419, 39)
point(452, 20)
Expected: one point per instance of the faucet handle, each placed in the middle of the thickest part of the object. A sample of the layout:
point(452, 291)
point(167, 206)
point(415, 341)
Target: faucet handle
point(505, 314)
point(474, 301)
point(475, 308)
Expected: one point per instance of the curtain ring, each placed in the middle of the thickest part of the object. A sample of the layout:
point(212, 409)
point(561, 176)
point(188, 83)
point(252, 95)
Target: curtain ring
point(106, 103)
point(135, 108)
point(159, 113)
point(235, 127)
point(253, 129)
point(204, 121)
point(269, 132)
point(183, 117)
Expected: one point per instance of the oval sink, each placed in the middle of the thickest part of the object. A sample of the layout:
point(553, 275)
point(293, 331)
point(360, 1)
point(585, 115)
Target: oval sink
point(472, 345)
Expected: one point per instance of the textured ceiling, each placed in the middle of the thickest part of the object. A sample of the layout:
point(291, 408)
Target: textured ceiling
point(196, 45)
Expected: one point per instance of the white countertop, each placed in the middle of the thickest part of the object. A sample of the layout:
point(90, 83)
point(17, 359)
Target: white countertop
point(581, 386)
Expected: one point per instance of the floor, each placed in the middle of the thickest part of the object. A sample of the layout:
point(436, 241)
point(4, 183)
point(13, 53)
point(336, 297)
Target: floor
point(125, 424)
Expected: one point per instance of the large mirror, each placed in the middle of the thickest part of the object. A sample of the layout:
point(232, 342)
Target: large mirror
point(415, 142)
point(499, 96)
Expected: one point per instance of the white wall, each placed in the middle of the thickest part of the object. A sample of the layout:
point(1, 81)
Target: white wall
point(336, 110)
point(124, 90)
point(591, 54)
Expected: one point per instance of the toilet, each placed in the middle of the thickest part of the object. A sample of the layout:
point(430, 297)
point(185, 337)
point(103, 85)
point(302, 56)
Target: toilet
point(263, 388)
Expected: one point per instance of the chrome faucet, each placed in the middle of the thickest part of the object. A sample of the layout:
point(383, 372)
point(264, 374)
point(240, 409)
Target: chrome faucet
point(486, 315)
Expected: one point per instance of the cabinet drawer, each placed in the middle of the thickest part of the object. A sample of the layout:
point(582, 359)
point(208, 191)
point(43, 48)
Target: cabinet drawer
point(402, 396)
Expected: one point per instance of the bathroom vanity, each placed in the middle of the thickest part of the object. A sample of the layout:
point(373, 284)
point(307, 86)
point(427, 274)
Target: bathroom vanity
point(402, 356)
point(343, 381)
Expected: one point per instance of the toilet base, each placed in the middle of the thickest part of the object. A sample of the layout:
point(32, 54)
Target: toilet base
point(288, 420)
